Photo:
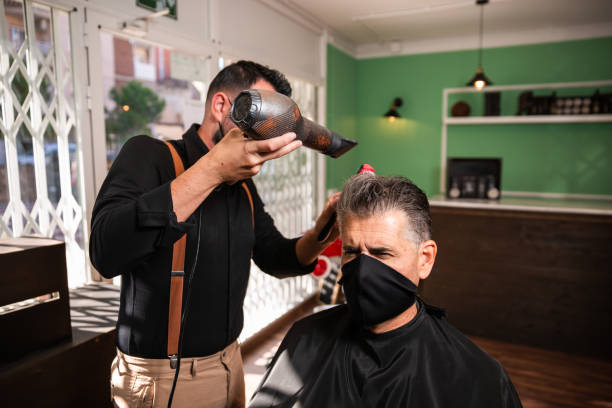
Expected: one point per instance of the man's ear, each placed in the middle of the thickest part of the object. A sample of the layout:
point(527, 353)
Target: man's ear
point(219, 105)
point(426, 258)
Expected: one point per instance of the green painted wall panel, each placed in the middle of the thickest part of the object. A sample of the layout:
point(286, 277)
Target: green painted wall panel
point(341, 111)
point(571, 158)
point(575, 158)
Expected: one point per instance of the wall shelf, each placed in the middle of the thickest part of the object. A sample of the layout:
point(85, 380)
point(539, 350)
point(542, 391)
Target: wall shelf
point(507, 120)
point(492, 120)
point(556, 85)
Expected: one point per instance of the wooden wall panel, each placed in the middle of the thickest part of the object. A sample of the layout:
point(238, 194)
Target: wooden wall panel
point(527, 278)
point(75, 374)
point(36, 270)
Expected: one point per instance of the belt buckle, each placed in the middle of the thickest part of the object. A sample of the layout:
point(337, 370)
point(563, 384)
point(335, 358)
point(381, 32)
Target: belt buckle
point(173, 361)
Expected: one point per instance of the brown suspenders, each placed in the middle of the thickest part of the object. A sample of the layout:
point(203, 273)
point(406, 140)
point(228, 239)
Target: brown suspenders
point(177, 274)
point(248, 193)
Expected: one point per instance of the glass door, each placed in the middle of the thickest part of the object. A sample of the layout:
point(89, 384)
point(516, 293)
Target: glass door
point(139, 86)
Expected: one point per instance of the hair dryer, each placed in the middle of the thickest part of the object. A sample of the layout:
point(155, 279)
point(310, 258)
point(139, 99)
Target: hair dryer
point(264, 114)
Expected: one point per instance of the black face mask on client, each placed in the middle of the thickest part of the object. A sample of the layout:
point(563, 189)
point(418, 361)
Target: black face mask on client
point(374, 291)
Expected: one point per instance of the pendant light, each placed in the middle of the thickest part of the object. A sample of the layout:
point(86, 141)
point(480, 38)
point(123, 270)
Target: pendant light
point(479, 80)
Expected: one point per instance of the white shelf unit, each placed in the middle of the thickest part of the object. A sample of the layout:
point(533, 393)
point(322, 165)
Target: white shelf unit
point(500, 120)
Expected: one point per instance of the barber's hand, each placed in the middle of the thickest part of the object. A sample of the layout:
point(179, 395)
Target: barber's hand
point(328, 211)
point(236, 157)
point(308, 247)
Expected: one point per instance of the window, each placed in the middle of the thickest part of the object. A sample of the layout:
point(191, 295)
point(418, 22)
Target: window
point(149, 89)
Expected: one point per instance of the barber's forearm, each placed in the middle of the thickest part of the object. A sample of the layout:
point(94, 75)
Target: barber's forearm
point(116, 240)
point(192, 187)
point(308, 248)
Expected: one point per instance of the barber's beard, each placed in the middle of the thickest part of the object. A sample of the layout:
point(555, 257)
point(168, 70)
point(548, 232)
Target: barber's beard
point(218, 134)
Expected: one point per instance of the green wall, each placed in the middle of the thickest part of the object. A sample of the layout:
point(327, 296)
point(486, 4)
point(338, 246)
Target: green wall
point(341, 111)
point(558, 158)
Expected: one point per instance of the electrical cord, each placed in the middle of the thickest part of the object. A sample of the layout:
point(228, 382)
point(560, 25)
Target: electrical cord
point(186, 311)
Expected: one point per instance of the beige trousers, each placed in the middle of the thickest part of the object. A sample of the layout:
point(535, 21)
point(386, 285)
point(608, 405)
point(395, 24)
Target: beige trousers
point(213, 381)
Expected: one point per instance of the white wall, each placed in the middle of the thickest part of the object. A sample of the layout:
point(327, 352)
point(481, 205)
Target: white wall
point(241, 28)
point(190, 30)
point(251, 29)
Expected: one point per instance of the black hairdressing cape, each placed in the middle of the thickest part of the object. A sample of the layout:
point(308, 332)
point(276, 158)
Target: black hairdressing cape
point(324, 361)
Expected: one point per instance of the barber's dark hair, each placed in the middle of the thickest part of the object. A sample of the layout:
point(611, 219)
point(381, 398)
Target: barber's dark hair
point(242, 75)
point(365, 195)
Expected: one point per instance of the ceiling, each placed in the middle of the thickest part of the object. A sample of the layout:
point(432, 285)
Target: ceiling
point(383, 27)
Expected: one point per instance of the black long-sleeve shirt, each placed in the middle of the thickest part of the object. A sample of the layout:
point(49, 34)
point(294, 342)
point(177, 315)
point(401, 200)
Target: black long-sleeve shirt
point(134, 228)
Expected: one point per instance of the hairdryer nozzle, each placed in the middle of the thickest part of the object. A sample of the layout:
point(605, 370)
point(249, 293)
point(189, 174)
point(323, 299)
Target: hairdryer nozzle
point(344, 146)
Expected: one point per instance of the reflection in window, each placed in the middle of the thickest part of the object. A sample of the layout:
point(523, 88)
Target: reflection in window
point(149, 90)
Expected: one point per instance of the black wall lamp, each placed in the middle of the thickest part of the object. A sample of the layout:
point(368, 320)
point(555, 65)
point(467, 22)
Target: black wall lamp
point(392, 113)
point(479, 80)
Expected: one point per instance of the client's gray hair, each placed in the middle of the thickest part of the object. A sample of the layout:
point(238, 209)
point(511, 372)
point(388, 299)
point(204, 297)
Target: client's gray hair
point(367, 194)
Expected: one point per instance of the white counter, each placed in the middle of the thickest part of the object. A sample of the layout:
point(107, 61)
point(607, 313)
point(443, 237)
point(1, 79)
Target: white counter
point(548, 205)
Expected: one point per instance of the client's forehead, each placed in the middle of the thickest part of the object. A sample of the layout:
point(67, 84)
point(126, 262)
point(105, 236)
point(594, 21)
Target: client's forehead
point(378, 229)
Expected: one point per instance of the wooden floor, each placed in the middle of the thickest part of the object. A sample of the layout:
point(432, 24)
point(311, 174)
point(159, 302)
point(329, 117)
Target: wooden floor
point(542, 378)
point(547, 379)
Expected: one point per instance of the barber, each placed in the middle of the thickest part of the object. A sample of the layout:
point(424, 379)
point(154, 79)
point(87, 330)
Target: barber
point(142, 209)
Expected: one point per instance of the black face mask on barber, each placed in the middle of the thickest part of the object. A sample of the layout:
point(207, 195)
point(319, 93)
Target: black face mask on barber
point(374, 291)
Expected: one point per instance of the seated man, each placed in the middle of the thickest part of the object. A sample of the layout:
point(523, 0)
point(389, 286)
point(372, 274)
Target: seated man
point(385, 347)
